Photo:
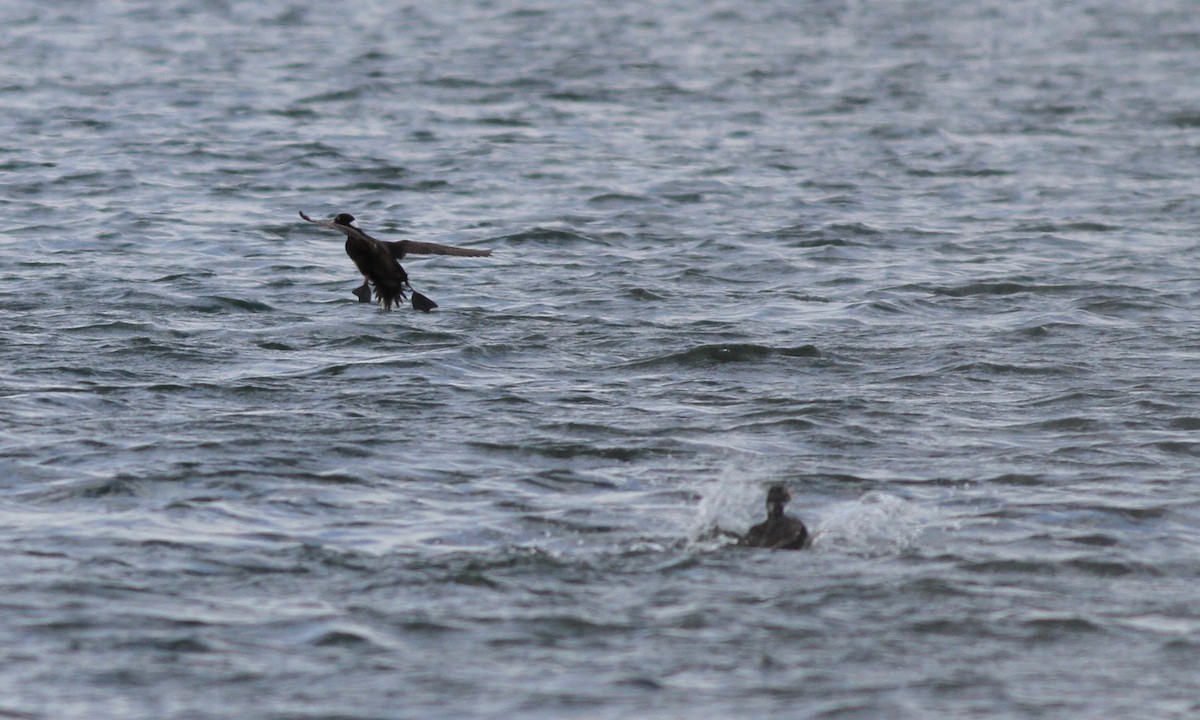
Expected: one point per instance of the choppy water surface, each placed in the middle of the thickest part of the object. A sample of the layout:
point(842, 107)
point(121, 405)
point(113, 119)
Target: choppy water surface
point(933, 264)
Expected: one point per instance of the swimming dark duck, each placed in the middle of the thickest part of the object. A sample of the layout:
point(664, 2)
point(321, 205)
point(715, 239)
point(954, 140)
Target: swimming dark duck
point(379, 262)
point(779, 531)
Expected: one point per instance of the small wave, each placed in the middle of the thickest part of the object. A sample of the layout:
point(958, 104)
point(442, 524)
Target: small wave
point(1055, 627)
point(1068, 424)
point(1184, 119)
point(1052, 227)
point(1177, 447)
point(722, 353)
point(107, 327)
point(833, 234)
point(615, 198)
point(778, 424)
point(455, 82)
point(1018, 479)
point(341, 95)
point(1003, 287)
point(958, 170)
point(580, 96)
point(994, 368)
point(643, 294)
point(570, 451)
point(1104, 568)
point(545, 235)
point(1115, 307)
point(339, 637)
point(220, 303)
point(504, 121)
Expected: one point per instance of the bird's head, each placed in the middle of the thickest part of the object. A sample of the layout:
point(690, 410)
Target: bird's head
point(777, 497)
point(344, 219)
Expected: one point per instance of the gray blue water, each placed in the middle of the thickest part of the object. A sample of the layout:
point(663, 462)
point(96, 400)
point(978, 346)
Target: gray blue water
point(931, 264)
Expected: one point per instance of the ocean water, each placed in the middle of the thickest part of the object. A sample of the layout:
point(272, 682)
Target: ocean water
point(931, 264)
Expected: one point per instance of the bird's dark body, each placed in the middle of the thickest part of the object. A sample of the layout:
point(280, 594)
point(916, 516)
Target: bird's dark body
point(779, 531)
point(377, 265)
point(379, 262)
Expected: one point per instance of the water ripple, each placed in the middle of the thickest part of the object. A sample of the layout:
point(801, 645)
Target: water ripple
point(930, 265)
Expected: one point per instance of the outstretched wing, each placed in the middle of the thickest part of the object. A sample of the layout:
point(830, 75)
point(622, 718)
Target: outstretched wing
point(347, 230)
point(322, 223)
point(400, 248)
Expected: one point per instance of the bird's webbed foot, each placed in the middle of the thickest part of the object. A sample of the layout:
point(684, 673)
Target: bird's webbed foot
point(422, 303)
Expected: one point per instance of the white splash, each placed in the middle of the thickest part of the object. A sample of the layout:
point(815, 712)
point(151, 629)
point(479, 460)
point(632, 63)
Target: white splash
point(734, 501)
point(877, 523)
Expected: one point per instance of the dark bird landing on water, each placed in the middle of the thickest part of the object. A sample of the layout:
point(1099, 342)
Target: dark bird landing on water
point(379, 262)
point(778, 531)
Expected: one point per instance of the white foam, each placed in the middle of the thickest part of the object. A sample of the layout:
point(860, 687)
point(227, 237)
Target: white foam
point(734, 500)
point(878, 523)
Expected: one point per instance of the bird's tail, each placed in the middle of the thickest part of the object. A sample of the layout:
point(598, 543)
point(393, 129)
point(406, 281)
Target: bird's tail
point(389, 296)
